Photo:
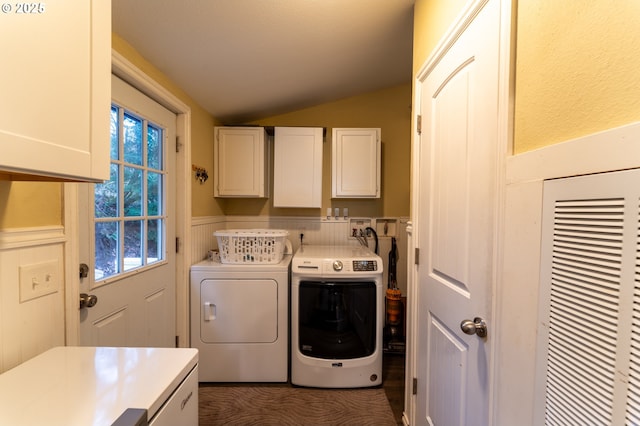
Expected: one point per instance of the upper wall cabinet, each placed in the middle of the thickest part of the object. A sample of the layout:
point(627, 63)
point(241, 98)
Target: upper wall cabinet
point(240, 158)
point(55, 90)
point(355, 163)
point(297, 167)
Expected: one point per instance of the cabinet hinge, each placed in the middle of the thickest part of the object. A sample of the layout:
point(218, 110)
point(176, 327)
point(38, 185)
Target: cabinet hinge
point(414, 386)
point(419, 124)
point(416, 256)
point(177, 244)
point(178, 144)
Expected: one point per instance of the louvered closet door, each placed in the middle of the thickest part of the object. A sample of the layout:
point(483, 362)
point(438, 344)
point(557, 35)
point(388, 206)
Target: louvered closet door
point(589, 333)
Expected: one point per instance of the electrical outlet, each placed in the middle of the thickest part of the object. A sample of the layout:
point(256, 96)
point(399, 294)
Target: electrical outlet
point(38, 279)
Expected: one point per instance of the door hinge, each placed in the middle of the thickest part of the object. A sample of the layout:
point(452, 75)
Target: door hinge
point(419, 124)
point(416, 256)
point(414, 386)
point(177, 341)
point(177, 244)
point(178, 144)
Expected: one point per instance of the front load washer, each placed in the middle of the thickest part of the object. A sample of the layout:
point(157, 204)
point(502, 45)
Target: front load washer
point(239, 320)
point(337, 314)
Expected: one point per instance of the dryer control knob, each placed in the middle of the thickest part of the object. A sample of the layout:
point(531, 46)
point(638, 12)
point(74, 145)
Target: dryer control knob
point(337, 265)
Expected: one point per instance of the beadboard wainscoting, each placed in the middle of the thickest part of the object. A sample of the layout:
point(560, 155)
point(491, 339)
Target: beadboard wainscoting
point(315, 231)
point(32, 304)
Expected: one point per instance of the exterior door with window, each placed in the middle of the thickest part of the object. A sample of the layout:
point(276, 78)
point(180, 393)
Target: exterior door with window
point(127, 230)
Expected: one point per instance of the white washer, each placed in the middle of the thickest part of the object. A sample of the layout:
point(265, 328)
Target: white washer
point(239, 321)
point(337, 313)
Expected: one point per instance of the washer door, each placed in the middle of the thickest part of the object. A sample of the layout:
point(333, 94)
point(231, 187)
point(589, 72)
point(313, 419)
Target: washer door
point(238, 311)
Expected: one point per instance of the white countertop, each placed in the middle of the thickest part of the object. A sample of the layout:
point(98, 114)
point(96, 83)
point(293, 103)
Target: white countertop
point(91, 386)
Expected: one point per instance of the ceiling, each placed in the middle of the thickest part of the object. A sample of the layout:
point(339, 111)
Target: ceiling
point(242, 60)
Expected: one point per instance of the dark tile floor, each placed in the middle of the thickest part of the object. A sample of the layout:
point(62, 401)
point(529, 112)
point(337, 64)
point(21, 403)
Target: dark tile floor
point(393, 382)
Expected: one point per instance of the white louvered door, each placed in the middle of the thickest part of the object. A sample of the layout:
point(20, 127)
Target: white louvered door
point(589, 330)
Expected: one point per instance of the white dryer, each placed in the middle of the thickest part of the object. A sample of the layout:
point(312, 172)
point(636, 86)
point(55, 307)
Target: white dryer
point(239, 320)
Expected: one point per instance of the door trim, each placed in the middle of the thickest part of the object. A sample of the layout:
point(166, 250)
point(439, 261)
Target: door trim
point(503, 150)
point(127, 71)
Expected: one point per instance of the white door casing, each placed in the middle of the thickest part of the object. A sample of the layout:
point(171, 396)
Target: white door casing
point(139, 308)
point(458, 162)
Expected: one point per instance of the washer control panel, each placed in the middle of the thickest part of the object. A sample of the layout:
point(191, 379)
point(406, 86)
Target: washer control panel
point(365, 266)
point(334, 261)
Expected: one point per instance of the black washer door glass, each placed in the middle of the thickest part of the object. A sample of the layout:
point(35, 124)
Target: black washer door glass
point(337, 320)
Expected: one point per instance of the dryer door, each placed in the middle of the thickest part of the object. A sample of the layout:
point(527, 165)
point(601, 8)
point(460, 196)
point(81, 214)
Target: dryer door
point(238, 311)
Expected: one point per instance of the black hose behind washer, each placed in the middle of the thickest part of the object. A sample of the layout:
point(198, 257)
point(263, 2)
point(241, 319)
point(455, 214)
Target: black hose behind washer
point(375, 237)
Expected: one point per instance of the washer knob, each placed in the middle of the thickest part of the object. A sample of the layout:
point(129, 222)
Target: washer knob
point(337, 265)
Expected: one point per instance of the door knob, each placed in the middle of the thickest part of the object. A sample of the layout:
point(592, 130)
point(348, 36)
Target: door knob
point(478, 327)
point(88, 300)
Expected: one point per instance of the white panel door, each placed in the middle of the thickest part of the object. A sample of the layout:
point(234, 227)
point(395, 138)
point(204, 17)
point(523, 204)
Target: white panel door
point(456, 224)
point(132, 259)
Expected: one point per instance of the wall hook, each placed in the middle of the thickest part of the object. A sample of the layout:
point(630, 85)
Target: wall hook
point(201, 173)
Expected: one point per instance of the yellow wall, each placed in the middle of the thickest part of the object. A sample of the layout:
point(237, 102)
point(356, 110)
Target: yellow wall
point(27, 204)
point(577, 64)
point(389, 109)
point(431, 20)
point(203, 203)
point(577, 69)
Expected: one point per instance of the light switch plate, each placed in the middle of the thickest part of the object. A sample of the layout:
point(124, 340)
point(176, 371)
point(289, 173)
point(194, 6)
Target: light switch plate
point(39, 279)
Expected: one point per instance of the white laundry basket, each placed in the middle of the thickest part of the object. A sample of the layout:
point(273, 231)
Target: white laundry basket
point(247, 246)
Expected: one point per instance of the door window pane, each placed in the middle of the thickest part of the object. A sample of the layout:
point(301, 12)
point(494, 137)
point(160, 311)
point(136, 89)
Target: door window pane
point(132, 192)
point(153, 193)
point(106, 195)
point(132, 244)
point(154, 141)
point(132, 139)
point(115, 132)
point(130, 214)
point(154, 242)
point(107, 245)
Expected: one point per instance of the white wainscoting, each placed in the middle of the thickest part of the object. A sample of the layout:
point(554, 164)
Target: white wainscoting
point(516, 321)
point(316, 231)
point(30, 327)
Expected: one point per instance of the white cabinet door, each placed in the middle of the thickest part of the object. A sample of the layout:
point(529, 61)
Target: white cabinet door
point(240, 162)
point(55, 90)
point(355, 163)
point(297, 165)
